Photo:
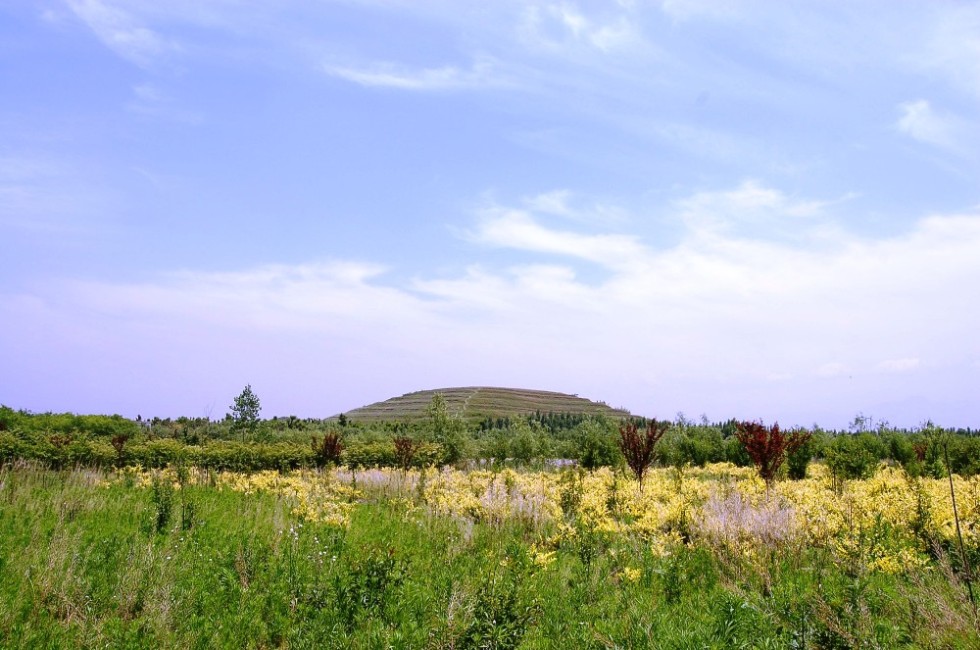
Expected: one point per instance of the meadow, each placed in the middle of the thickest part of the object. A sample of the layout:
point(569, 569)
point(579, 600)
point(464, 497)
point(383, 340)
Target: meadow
point(183, 557)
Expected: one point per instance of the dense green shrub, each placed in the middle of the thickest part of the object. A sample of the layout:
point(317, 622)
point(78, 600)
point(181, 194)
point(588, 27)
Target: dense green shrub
point(61, 440)
point(735, 453)
point(157, 453)
point(370, 454)
point(964, 454)
point(10, 447)
point(696, 445)
point(599, 450)
point(852, 457)
point(526, 447)
point(702, 445)
point(245, 457)
point(798, 459)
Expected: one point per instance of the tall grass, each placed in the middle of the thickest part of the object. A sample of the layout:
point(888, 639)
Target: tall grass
point(86, 561)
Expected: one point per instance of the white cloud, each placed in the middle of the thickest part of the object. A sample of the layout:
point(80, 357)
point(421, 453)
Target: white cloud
point(564, 28)
point(899, 365)
point(517, 229)
point(556, 203)
point(689, 9)
point(953, 48)
point(391, 75)
point(149, 100)
point(122, 32)
point(920, 121)
point(832, 369)
point(565, 203)
point(753, 209)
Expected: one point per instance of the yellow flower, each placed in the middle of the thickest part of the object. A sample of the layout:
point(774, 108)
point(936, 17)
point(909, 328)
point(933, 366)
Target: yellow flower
point(630, 574)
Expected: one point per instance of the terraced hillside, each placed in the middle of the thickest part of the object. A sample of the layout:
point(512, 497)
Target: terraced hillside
point(479, 402)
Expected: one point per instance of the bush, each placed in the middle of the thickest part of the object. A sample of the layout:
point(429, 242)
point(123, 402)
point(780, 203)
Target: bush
point(157, 453)
point(328, 450)
point(247, 457)
point(599, 450)
point(638, 449)
point(768, 446)
point(735, 453)
point(10, 447)
point(798, 459)
point(370, 454)
point(525, 447)
point(850, 457)
point(701, 445)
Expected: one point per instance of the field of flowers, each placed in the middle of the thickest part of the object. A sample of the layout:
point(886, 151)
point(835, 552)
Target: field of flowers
point(450, 558)
point(890, 523)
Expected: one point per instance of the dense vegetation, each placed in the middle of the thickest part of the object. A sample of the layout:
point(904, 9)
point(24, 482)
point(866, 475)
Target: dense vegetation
point(285, 533)
point(63, 440)
point(184, 558)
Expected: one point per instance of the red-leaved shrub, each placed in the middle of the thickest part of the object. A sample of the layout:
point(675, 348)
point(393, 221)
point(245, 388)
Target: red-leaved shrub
point(637, 448)
point(768, 446)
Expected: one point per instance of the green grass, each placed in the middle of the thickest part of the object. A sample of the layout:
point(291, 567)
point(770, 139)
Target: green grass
point(88, 565)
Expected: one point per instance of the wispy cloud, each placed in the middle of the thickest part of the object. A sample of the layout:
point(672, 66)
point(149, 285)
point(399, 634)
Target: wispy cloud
point(953, 46)
point(564, 26)
point(565, 203)
point(122, 32)
point(481, 74)
point(920, 121)
point(690, 9)
point(756, 211)
point(510, 228)
point(150, 101)
point(899, 365)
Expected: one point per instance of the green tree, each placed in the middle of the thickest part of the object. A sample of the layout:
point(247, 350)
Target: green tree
point(448, 430)
point(245, 412)
point(525, 447)
point(596, 444)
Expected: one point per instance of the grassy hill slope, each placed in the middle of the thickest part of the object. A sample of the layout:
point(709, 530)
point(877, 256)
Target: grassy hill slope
point(478, 402)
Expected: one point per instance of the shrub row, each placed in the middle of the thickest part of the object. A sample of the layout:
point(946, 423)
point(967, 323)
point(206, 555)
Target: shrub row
point(60, 451)
point(592, 444)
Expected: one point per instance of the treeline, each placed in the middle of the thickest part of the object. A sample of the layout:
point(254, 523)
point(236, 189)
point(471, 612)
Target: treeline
point(64, 440)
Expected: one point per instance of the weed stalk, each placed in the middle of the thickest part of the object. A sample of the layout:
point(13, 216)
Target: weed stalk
point(959, 535)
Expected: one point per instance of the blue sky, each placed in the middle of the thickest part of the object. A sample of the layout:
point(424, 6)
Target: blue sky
point(742, 209)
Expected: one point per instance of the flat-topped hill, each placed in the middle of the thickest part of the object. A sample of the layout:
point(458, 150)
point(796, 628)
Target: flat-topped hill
point(478, 402)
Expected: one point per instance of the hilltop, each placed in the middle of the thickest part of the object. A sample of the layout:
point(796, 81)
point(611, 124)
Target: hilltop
point(476, 403)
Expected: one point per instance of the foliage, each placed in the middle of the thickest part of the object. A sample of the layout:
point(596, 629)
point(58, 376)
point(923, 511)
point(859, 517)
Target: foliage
point(447, 430)
point(798, 458)
point(405, 449)
point(162, 495)
point(66, 440)
point(638, 450)
point(119, 444)
point(852, 457)
point(368, 587)
point(526, 446)
point(327, 451)
point(501, 615)
point(245, 412)
point(599, 450)
point(768, 446)
point(708, 563)
point(686, 444)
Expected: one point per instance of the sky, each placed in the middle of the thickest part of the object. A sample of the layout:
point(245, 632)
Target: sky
point(740, 209)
